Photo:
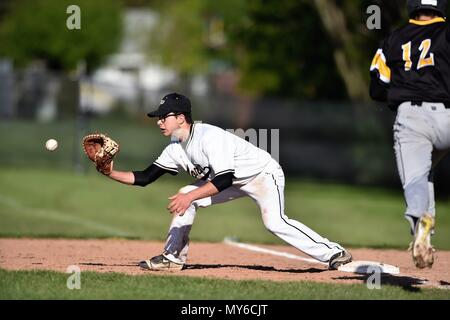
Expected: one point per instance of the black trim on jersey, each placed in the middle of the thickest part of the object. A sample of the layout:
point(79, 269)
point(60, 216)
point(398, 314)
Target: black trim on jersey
point(281, 216)
point(149, 175)
point(223, 181)
point(224, 172)
point(191, 134)
point(166, 168)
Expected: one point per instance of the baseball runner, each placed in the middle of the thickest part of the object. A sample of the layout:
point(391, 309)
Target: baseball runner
point(411, 71)
point(225, 167)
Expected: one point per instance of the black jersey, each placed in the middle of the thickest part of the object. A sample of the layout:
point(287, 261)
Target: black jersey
point(413, 64)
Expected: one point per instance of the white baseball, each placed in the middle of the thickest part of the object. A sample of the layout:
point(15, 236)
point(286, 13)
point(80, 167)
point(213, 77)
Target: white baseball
point(51, 144)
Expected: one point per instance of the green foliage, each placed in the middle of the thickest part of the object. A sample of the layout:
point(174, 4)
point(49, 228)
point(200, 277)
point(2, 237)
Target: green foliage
point(287, 52)
point(36, 29)
point(189, 33)
point(273, 44)
point(52, 285)
point(278, 47)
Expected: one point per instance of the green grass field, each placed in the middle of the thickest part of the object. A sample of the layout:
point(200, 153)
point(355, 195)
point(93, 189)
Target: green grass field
point(41, 196)
point(52, 203)
point(52, 285)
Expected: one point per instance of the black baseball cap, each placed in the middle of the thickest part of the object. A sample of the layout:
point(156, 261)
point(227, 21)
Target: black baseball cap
point(438, 6)
point(173, 102)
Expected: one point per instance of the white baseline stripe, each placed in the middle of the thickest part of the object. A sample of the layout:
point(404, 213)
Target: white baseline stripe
point(251, 247)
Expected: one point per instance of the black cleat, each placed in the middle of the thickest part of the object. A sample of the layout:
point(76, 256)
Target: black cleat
point(340, 259)
point(160, 263)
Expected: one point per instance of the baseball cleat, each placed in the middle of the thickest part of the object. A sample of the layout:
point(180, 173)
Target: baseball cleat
point(160, 263)
point(422, 250)
point(340, 259)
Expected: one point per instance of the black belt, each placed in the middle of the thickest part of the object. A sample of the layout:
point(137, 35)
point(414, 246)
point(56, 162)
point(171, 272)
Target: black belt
point(419, 104)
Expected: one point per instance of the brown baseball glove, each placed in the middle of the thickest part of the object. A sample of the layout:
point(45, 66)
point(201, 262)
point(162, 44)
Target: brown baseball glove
point(101, 150)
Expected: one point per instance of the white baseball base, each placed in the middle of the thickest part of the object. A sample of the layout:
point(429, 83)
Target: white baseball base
point(369, 267)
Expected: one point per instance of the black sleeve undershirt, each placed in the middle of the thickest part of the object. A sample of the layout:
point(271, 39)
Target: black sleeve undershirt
point(152, 173)
point(378, 90)
point(223, 181)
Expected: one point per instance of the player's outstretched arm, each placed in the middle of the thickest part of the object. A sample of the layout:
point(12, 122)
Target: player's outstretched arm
point(125, 177)
point(139, 178)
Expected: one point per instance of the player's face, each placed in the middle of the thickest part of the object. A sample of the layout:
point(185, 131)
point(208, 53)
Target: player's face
point(168, 124)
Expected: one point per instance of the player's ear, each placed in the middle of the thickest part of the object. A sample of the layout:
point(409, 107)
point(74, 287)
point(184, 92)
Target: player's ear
point(181, 119)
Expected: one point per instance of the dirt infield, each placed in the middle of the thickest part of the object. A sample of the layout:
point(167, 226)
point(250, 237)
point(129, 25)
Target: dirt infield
point(213, 260)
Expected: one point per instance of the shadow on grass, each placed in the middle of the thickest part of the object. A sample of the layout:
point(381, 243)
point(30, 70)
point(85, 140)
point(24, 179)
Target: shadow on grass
point(250, 267)
point(406, 283)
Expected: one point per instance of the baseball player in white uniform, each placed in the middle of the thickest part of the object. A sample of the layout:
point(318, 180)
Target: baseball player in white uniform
point(226, 167)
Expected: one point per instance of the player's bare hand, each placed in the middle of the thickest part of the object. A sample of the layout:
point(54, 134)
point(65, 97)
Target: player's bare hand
point(179, 204)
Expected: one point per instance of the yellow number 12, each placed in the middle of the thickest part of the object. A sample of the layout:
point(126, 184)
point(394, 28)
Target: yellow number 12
point(423, 60)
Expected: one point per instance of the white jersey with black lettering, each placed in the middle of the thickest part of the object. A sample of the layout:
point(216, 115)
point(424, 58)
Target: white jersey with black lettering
point(211, 151)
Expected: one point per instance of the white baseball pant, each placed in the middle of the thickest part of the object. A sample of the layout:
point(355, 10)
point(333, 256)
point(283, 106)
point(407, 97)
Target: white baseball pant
point(267, 190)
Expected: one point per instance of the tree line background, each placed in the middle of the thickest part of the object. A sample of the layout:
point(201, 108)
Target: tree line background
point(297, 48)
point(297, 65)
